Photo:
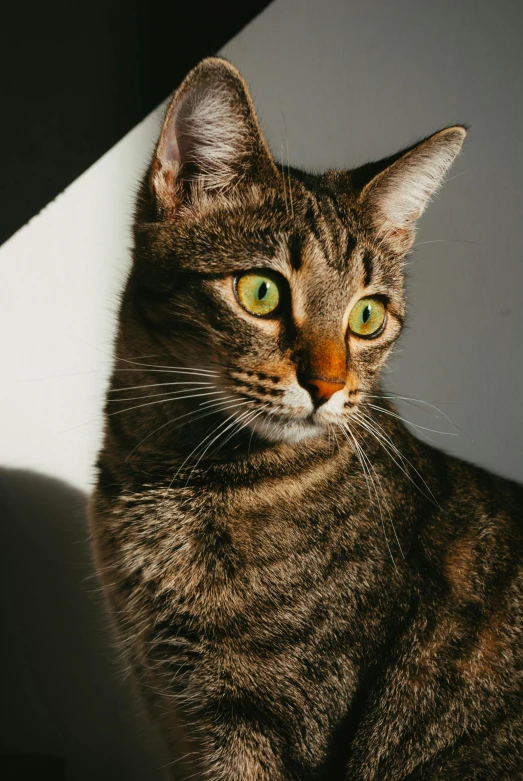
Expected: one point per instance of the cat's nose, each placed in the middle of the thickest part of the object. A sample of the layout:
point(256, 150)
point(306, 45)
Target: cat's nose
point(322, 390)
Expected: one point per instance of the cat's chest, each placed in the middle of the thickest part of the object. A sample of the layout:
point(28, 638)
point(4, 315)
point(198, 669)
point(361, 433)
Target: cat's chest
point(227, 551)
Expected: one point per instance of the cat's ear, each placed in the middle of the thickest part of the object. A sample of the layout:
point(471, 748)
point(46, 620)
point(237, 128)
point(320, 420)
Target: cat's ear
point(396, 196)
point(210, 139)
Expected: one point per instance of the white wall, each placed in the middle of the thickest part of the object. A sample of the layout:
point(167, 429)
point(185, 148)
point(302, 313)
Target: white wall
point(340, 83)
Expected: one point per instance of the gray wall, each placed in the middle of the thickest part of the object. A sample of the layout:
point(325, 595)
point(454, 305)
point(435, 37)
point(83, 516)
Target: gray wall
point(345, 82)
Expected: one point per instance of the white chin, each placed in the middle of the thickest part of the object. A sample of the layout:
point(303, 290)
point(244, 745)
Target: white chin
point(286, 431)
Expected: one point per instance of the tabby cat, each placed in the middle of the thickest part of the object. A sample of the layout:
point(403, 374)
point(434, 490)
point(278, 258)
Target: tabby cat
point(303, 590)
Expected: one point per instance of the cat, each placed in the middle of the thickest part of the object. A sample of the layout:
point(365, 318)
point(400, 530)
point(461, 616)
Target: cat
point(302, 589)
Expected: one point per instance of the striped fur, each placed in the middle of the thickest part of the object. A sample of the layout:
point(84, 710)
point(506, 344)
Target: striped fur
point(302, 591)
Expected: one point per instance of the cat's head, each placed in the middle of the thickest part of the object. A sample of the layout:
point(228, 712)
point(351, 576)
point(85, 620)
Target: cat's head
point(286, 288)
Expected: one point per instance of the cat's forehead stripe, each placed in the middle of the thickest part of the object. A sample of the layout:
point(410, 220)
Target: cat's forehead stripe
point(295, 251)
point(314, 225)
point(350, 247)
point(328, 224)
point(367, 267)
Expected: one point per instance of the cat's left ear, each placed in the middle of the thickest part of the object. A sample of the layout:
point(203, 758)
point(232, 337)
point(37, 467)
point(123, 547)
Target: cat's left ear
point(396, 196)
point(210, 140)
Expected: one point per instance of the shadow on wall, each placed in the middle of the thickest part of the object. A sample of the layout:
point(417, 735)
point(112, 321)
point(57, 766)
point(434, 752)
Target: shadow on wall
point(62, 690)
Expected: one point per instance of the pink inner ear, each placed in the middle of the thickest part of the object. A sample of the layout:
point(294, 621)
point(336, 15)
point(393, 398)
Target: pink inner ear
point(208, 138)
point(170, 151)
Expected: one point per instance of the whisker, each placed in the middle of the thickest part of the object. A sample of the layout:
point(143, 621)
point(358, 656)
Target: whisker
point(336, 438)
point(387, 506)
point(172, 394)
point(243, 424)
point(283, 180)
point(392, 397)
point(362, 456)
point(410, 423)
point(228, 417)
point(179, 759)
point(234, 422)
point(166, 370)
point(288, 165)
point(162, 401)
point(137, 406)
point(357, 449)
point(422, 409)
point(158, 385)
point(212, 408)
point(411, 401)
point(250, 443)
point(369, 464)
point(425, 437)
point(240, 422)
point(109, 370)
point(372, 427)
point(445, 241)
point(113, 356)
point(163, 366)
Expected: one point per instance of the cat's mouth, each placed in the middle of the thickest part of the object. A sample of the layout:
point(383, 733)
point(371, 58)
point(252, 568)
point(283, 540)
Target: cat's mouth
point(287, 414)
point(281, 426)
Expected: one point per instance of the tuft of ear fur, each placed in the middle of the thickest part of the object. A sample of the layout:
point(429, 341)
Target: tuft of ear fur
point(399, 194)
point(210, 139)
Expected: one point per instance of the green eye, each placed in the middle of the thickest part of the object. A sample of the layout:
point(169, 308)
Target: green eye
point(258, 293)
point(367, 316)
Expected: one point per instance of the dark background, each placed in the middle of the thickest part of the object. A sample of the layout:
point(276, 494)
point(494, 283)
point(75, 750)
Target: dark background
point(77, 76)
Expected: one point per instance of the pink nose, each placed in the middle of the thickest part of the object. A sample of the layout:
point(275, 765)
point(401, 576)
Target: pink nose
point(322, 390)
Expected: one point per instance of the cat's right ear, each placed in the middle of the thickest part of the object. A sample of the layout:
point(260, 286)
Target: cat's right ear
point(210, 140)
point(399, 193)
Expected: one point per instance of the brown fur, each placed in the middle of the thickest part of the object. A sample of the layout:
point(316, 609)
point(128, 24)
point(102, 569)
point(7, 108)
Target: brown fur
point(303, 590)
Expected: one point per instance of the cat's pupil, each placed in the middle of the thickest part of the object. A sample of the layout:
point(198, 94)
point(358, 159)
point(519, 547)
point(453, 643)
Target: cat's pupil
point(366, 314)
point(262, 290)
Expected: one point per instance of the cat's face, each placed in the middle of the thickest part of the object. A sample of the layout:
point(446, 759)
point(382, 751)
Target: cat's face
point(294, 311)
point(286, 288)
